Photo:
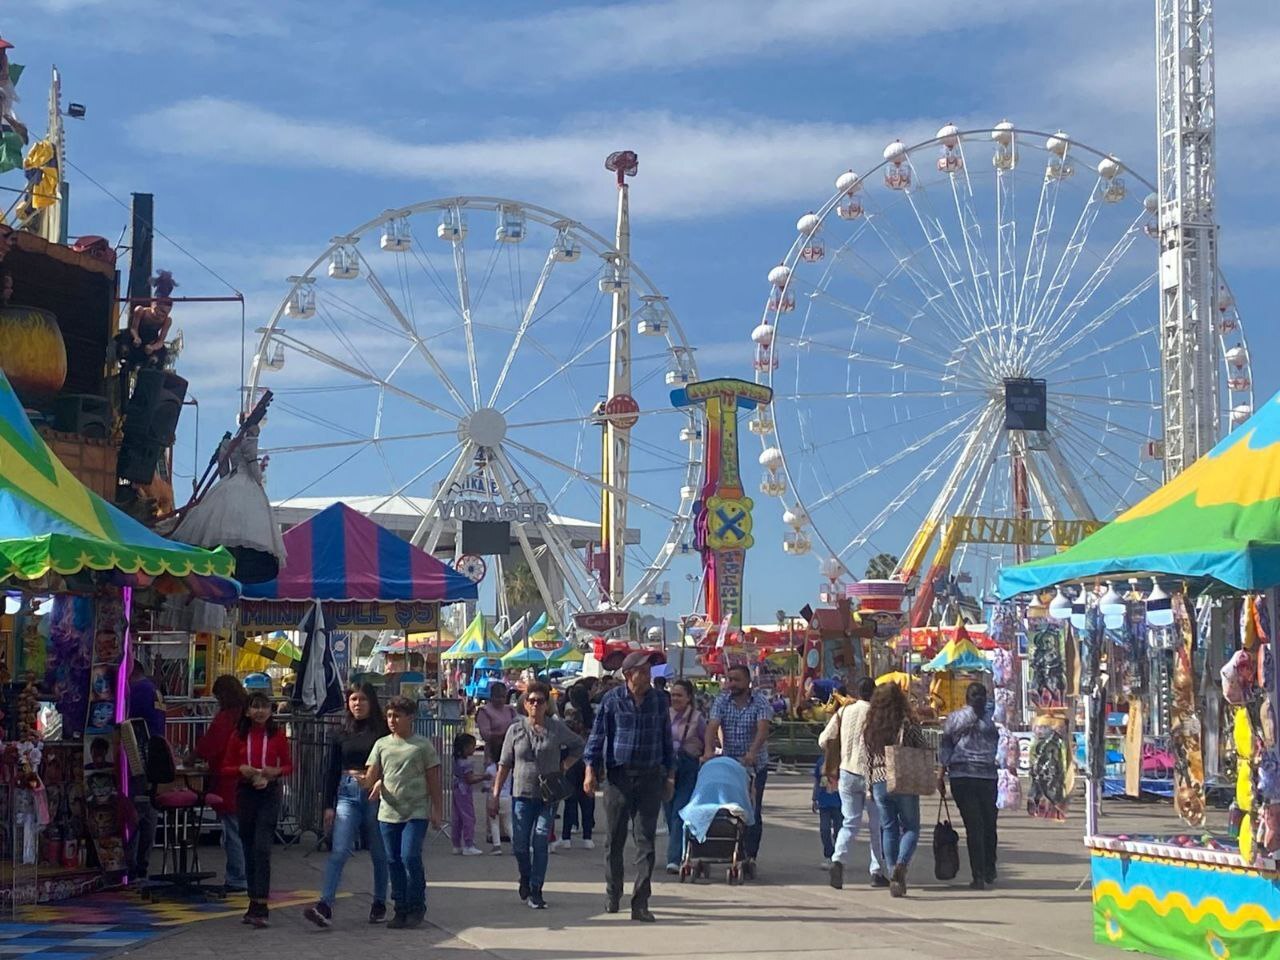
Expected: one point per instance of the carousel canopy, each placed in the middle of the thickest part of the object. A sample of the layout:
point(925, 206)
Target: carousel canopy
point(476, 641)
point(52, 523)
point(1218, 519)
point(959, 655)
point(340, 554)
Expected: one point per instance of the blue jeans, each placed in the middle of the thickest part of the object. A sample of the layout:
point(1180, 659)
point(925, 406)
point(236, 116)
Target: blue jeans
point(530, 826)
point(354, 816)
point(403, 844)
point(829, 821)
point(231, 846)
point(853, 800)
point(899, 824)
point(686, 778)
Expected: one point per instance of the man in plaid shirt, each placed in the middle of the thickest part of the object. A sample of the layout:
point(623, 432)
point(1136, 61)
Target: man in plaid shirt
point(630, 743)
point(739, 723)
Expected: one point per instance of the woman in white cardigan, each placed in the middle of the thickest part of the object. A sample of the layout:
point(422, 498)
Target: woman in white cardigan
point(847, 725)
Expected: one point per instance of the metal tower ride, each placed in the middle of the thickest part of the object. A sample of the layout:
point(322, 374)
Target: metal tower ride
point(1188, 231)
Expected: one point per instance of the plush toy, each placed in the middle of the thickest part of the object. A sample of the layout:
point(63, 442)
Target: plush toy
point(1237, 678)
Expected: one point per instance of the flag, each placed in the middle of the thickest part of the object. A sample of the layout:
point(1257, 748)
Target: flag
point(724, 631)
point(319, 687)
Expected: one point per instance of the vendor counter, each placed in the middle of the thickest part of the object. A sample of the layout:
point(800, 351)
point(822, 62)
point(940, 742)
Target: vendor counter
point(1184, 903)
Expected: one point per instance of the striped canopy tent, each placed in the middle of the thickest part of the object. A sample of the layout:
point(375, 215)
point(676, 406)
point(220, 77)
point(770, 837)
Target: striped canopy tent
point(51, 523)
point(476, 641)
point(340, 554)
point(543, 647)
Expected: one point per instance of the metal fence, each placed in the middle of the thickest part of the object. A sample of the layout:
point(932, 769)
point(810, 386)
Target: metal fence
point(304, 799)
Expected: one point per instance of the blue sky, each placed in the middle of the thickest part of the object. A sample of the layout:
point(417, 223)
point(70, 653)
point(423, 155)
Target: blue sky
point(265, 129)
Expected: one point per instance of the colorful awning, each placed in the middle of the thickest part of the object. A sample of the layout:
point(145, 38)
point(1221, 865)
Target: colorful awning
point(52, 523)
point(1218, 519)
point(958, 656)
point(476, 641)
point(340, 554)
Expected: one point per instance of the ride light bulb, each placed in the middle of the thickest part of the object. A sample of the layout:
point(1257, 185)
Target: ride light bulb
point(1060, 606)
point(1112, 607)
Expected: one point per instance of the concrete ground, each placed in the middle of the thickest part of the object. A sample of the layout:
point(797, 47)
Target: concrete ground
point(1041, 908)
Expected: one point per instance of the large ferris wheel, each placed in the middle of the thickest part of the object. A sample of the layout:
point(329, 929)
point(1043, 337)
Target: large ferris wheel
point(479, 358)
point(970, 332)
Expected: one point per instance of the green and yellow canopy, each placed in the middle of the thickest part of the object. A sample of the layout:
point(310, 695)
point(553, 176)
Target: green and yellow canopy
point(1218, 520)
point(51, 523)
point(476, 641)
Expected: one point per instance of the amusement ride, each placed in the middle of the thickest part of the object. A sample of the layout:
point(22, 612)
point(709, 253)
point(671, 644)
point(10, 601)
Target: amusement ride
point(478, 360)
point(985, 342)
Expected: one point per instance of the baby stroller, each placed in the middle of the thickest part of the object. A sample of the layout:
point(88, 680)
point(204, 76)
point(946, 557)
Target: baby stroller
point(716, 820)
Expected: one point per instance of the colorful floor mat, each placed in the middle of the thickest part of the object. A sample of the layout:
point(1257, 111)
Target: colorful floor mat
point(70, 941)
point(126, 907)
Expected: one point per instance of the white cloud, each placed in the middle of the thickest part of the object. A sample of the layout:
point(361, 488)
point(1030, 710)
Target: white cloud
point(592, 40)
point(688, 167)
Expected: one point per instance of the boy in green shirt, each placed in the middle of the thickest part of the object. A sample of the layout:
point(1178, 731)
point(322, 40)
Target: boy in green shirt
point(404, 776)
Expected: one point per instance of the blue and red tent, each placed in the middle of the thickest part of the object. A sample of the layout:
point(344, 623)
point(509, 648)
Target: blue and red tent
point(340, 554)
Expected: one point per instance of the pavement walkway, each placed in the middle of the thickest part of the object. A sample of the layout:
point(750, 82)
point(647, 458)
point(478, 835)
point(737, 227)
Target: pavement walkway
point(1041, 908)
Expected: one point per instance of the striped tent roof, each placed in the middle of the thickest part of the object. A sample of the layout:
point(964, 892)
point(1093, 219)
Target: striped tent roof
point(340, 554)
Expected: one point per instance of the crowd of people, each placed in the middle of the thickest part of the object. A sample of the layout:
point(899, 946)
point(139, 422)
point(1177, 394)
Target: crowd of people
point(638, 742)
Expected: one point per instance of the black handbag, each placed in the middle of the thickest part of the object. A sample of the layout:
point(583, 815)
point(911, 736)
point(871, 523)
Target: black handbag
point(554, 787)
point(946, 845)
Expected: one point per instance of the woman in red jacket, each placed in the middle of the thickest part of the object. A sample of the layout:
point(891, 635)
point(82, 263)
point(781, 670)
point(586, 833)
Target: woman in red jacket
point(211, 748)
point(258, 755)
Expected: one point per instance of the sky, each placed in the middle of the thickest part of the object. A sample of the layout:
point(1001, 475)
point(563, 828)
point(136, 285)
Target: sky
point(265, 129)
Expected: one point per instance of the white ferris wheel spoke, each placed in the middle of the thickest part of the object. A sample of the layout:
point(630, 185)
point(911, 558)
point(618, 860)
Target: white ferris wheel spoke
point(1067, 412)
point(1047, 350)
point(1080, 446)
point(940, 371)
point(974, 246)
point(464, 304)
point(1006, 251)
point(1037, 251)
point(320, 356)
point(375, 283)
point(357, 441)
point(525, 319)
point(1103, 350)
point(399, 490)
point(1044, 309)
point(907, 451)
point(560, 370)
point(431, 526)
point(875, 394)
point(1066, 480)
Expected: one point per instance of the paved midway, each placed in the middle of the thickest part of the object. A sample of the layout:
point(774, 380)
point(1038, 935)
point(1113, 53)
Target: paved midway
point(1039, 910)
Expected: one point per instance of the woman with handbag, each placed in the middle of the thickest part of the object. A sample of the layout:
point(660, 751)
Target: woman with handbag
point(895, 751)
point(537, 751)
point(968, 756)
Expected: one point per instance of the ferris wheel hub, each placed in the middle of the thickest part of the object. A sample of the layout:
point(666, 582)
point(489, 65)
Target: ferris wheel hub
point(486, 427)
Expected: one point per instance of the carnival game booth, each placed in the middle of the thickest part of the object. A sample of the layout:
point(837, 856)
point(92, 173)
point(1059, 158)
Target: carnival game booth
point(1212, 533)
point(75, 573)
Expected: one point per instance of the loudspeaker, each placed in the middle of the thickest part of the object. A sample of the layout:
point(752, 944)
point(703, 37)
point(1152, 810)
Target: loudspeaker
point(83, 414)
point(137, 461)
point(153, 411)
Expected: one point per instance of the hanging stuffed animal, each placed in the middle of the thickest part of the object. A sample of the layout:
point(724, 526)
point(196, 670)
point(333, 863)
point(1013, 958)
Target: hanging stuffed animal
point(1237, 678)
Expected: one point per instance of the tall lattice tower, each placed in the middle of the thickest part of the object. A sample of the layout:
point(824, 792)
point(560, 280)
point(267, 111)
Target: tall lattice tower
point(1188, 231)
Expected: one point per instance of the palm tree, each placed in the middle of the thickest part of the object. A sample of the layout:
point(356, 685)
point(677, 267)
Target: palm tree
point(521, 588)
point(881, 566)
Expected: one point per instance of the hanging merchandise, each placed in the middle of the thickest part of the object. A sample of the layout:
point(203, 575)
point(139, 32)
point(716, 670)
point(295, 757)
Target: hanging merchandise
point(1052, 769)
point(1048, 668)
point(1008, 785)
point(1189, 763)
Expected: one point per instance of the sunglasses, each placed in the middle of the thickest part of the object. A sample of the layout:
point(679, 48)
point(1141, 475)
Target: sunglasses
point(534, 701)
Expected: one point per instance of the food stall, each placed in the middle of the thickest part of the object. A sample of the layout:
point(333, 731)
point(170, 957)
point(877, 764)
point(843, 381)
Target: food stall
point(1208, 543)
point(75, 572)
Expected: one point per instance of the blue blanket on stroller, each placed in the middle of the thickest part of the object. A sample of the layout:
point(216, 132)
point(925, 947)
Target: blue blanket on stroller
point(723, 783)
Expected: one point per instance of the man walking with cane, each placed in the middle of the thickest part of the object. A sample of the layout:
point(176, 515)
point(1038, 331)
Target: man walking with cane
point(630, 744)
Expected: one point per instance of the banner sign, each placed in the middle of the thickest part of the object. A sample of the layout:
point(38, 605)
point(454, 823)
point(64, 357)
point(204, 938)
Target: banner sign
point(601, 621)
point(411, 616)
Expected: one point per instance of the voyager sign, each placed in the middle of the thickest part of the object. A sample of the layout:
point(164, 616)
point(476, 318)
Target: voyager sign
point(490, 512)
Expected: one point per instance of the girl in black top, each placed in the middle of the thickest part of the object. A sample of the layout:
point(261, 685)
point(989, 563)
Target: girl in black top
point(349, 808)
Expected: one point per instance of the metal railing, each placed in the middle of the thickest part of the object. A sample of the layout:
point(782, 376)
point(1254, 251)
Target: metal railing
point(304, 799)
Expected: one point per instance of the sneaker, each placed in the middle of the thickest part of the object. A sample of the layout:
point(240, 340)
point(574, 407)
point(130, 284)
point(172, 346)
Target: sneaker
point(587, 844)
point(457, 851)
point(495, 850)
point(378, 912)
point(524, 891)
point(977, 885)
point(321, 914)
point(826, 863)
point(261, 919)
point(399, 920)
point(837, 875)
point(673, 868)
point(414, 918)
point(879, 880)
point(472, 852)
point(535, 899)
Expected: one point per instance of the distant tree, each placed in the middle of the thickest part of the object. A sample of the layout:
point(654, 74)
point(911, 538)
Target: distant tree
point(521, 588)
point(881, 566)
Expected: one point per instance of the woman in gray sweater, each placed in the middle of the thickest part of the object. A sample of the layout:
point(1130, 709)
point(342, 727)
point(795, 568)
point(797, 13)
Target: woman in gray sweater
point(537, 747)
point(968, 756)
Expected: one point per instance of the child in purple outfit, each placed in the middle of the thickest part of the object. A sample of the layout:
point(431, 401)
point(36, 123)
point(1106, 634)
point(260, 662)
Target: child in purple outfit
point(465, 778)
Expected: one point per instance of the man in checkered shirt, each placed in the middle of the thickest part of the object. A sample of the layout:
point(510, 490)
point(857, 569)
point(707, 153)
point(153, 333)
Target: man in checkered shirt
point(739, 724)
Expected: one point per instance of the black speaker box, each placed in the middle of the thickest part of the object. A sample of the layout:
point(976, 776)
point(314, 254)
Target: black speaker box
point(83, 414)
